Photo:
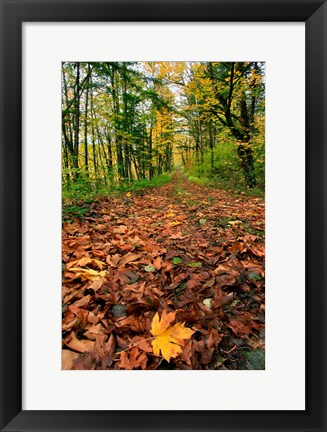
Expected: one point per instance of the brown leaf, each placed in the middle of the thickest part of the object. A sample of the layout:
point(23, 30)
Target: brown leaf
point(86, 361)
point(142, 344)
point(121, 229)
point(157, 263)
point(78, 345)
point(93, 331)
point(126, 277)
point(97, 284)
point(129, 257)
point(239, 328)
point(258, 250)
point(113, 260)
point(133, 359)
point(67, 359)
point(82, 314)
point(177, 236)
point(133, 323)
point(186, 355)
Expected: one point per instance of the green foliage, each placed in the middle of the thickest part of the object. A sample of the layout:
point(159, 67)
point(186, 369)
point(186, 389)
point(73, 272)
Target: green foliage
point(126, 123)
point(221, 168)
point(70, 212)
point(159, 180)
point(87, 191)
point(177, 260)
point(195, 264)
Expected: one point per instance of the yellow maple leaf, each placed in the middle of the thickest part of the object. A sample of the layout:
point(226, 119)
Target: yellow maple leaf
point(87, 274)
point(175, 223)
point(86, 261)
point(168, 339)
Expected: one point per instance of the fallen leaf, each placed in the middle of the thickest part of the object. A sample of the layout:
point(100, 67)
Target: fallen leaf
point(78, 345)
point(175, 223)
point(87, 274)
point(133, 359)
point(85, 261)
point(195, 264)
point(113, 260)
point(149, 268)
point(207, 302)
point(97, 284)
point(93, 331)
point(177, 236)
point(236, 222)
point(177, 260)
point(121, 229)
point(168, 339)
point(157, 263)
point(129, 257)
point(67, 359)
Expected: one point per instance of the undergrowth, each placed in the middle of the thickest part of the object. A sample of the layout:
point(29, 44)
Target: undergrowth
point(78, 199)
point(230, 186)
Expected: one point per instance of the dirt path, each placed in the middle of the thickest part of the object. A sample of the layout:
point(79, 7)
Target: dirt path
point(181, 247)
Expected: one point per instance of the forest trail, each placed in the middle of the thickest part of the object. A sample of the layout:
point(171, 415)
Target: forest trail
point(182, 247)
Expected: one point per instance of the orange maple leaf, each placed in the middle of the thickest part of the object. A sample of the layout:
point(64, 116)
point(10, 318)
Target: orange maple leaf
point(168, 339)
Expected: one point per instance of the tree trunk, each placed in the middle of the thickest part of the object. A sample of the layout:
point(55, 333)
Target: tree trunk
point(211, 145)
point(245, 153)
point(86, 155)
point(118, 136)
point(77, 118)
point(95, 168)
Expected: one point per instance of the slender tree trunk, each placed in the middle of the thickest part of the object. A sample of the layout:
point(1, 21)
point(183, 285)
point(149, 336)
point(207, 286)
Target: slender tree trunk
point(118, 136)
point(253, 99)
point(86, 155)
point(150, 166)
point(102, 167)
point(95, 167)
point(127, 162)
point(110, 160)
point(77, 119)
point(211, 145)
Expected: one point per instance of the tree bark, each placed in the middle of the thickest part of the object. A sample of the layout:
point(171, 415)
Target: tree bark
point(77, 118)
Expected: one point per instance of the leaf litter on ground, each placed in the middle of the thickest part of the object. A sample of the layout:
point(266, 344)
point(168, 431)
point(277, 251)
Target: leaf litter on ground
point(150, 259)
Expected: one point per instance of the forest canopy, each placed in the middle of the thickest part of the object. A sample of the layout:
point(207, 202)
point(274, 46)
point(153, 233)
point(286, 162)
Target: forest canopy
point(124, 122)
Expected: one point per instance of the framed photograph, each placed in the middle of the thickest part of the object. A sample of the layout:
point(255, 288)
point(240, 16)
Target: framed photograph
point(163, 215)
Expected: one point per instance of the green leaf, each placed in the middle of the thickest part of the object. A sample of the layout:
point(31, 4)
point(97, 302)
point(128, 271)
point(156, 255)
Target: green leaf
point(202, 222)
point(149, 268)
point(207, 302)
point(195, 264)
point(253, 276)
point(177, 260)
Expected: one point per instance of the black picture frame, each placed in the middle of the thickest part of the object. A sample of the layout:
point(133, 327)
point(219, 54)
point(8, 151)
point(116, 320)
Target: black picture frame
point(13, 14)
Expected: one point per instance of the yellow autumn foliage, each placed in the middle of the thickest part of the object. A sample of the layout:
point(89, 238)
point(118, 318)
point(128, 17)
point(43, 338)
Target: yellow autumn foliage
point(87, 274)
point(168, 339)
